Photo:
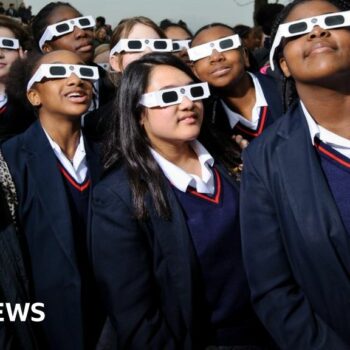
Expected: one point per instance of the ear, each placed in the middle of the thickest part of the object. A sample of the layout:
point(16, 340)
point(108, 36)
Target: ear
point(47, 48)
point(143, 117)
point(284, 67)
point(116, 63)
point(22, 54)
point(34, 97)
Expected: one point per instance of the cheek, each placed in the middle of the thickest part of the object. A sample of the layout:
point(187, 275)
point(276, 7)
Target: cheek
point(201, 68)
point(11, 56)
point(131, 57)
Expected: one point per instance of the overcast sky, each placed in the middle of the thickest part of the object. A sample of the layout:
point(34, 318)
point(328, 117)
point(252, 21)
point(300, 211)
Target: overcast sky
point(195, 12)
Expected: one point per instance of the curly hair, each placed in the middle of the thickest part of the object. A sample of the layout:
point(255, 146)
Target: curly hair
point(290, 95)
point(20, 32)
point(19, 75)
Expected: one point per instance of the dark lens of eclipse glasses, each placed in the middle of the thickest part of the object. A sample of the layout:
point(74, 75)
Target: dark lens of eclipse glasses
point(169, 96)
point(61, 28)
point(57, 71)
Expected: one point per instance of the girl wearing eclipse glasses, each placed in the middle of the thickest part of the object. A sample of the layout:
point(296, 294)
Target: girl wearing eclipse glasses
point(54, 167)
point(297, 246)
point(165, 232)
point(14, 42)
point(59, 26)
point(131, 39)
point(243, 103)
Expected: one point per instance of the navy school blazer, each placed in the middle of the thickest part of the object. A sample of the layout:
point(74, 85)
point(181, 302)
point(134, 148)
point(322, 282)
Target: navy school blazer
point(216, 115)
point(44, 216)
point(295, 246)
point(125, 269)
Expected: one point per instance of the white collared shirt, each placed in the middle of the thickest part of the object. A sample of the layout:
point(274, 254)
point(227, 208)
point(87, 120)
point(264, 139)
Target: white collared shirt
point(338, 143)
point(77, 168)
point(181, 179)
point(234, 117)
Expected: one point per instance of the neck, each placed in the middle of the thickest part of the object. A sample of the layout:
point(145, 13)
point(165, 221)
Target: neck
point(65, 133)
point(240, 96)
point(182, 155)
point(2, 88)
point(330, 108)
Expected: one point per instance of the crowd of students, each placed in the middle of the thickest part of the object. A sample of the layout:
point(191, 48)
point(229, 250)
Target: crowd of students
point(180, 193)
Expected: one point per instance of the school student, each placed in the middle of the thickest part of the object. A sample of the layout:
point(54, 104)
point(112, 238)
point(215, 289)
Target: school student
point(295, 189)
point(131, 39)
point(15, 117)
point(54, 167)
point(243, 103)
point(60, 26)
point(165, 237)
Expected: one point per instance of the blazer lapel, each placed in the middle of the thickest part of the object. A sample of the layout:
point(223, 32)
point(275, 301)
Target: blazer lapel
point(93, 160)
point(177, 247)
point(50, 187)
point(307, 189)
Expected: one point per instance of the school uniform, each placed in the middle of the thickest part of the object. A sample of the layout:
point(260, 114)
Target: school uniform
point(267, 109)
point(295, 232)
point(177, 283)
point(15, 118)
point(53, 218)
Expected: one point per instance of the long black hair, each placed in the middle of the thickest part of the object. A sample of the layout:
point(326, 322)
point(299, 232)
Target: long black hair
point(290, 95)
point(127, 140)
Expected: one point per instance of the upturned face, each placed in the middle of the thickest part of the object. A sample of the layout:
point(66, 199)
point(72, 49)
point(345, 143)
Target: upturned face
point(62, 98)
point(78, 41)
point(220, 69)
point(173, 124)
point(320, 55)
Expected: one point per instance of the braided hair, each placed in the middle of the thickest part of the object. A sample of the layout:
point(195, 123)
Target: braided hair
point(290, 94)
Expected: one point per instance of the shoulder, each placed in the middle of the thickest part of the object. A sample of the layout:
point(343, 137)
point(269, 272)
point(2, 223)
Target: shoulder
point(275, 135)
point(12, 148)
point(114, 183)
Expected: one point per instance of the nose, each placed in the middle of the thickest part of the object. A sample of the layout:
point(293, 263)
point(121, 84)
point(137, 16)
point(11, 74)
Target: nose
point(79, 32)
point(2, 53)
point(73, 79)
point(318, 32)
point(216, 56)
point(186, 103)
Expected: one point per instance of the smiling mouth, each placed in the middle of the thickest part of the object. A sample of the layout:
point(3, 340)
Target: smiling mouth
point(220, 71)
point(319, 48)
point(85, 47)
point(77, 97)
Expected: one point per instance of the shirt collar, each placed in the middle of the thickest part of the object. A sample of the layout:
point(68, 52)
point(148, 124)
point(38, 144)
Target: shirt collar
point(181, 179)
point(322, 133)
point(234, 117)
point(79, 155)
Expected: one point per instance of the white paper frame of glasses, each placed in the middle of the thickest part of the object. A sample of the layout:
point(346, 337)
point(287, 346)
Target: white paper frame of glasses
point(51, 31)
point(205, 50)
point(154, 98)
point(122, 45)
point(284, 29)
point(14, 41)
point(44, 72)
